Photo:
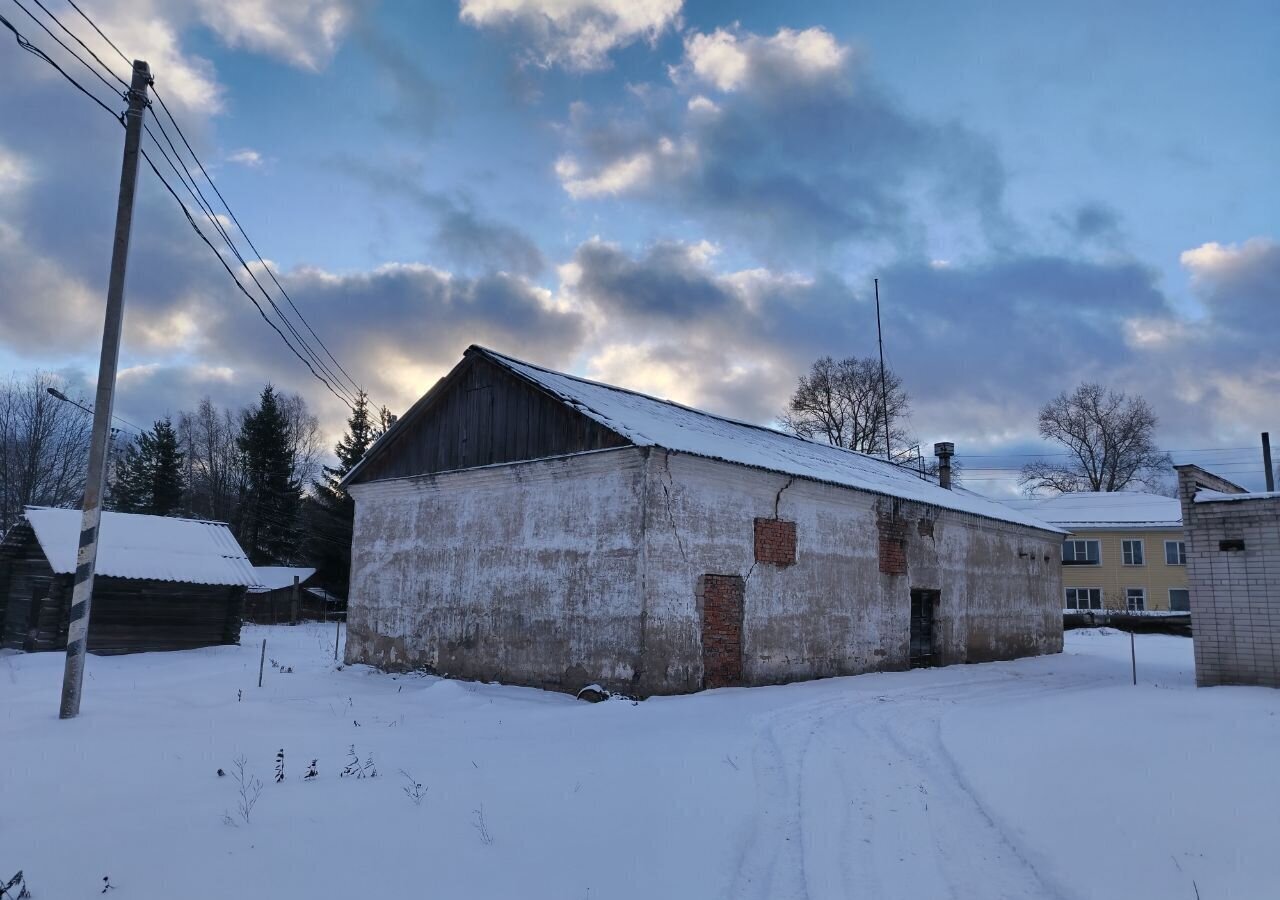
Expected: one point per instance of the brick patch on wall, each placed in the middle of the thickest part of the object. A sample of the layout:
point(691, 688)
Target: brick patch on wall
point(775, 542)
point(722, 598)
point(893, 544)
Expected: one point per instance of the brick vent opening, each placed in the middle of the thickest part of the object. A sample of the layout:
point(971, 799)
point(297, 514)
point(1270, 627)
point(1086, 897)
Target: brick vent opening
point(775, 542)
point(893, 544)
point(722, 599)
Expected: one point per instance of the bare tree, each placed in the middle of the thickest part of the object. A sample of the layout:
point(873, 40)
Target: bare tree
point(304, 438)
point(840, 402)
point(44, 446)
point(1110, 441)
point(215, 475)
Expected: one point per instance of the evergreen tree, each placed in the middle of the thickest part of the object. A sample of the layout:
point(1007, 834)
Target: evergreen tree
point(127, 490)
point(148, 477)
point(168, 482)
point(268, 527)
point(332, 509)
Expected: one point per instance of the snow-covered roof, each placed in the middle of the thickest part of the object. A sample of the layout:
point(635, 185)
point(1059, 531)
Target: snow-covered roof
point(1107, 510)
point(1207, 496)
point(273, 578)
point(649, 422)
point(145, 547)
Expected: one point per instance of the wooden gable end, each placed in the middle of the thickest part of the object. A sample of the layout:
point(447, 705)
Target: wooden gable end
point(481, 414)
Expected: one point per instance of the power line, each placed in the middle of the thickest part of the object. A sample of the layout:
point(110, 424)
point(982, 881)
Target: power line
point(198, 198)
point(45, 28)
point(36, 51)
point(30, 47)
point(248, 240)
point(76, 38)
point(94, 26)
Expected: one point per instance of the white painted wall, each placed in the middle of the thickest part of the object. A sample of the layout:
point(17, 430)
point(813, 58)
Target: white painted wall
point(558, 573)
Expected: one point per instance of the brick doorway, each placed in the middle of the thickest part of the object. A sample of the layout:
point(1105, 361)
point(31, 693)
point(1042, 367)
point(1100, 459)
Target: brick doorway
point(721, 599)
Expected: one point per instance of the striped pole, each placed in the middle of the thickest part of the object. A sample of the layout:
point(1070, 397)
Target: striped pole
point(87, 554)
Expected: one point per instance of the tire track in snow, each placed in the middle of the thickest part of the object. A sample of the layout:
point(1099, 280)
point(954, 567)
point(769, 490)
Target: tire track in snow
point(857, 797)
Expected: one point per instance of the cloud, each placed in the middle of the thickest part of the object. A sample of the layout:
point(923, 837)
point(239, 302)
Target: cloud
point(786, 143)
point(574, 34)
point(465, 236)
point(304, 33)
point(1238, 285)
point(416, 105)
point(250, 159)
point(733, 60)
point(1093, 221)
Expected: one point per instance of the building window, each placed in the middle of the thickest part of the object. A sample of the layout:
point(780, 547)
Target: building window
point(1133, 552)
point(1175, 553)
point(1081, 553)
point(1179, 599)
point(1084, 598)
point(1136, 599)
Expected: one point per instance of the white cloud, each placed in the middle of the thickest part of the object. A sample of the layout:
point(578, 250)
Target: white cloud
point(576, 34)
point(249, 158)
point(1215, 260)
point(304, 33)
point(717, 58)
point(15, 172)
point(732, 60)
point(627, 174)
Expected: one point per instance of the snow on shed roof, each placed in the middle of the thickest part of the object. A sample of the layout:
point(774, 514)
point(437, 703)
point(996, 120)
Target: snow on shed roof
point(145, 547)
point(273, 578)
point(1102, 509)
point(1207, 496)
point(649, 422)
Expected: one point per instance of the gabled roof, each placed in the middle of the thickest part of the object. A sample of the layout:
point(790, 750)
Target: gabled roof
point(649, 422)
point(273, 578)
point(153, 548)
point(1083, 510)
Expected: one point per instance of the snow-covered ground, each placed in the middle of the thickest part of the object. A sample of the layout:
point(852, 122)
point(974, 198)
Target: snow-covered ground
point(1050, 777)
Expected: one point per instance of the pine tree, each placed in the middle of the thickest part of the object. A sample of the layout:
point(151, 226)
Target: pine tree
point(333, 511)
point(127, 490)
point(149, 478)
point(268, 526)
point(168, 482)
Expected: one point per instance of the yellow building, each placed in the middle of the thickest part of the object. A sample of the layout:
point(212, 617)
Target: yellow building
point(1126, 550)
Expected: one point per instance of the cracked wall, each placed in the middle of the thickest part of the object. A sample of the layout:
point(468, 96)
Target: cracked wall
point(527, 573)
point(562, 572)
point(834, 611)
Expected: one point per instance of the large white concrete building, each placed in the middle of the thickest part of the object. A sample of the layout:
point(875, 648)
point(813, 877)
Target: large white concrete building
point(530, 527)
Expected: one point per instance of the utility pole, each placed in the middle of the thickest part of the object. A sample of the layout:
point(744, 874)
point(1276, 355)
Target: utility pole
point(1266, 461)
point(87, 555)
point(884, 391)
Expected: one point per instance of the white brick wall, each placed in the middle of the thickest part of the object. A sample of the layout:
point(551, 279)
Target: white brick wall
point(1235, 594)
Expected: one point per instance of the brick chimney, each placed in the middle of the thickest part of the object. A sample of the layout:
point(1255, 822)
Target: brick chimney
point(944, 450)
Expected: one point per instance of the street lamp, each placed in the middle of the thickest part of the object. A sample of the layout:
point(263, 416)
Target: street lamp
point(54, 392)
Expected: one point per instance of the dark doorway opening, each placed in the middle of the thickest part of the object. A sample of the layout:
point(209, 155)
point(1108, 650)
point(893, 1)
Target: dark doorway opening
point(924, 610)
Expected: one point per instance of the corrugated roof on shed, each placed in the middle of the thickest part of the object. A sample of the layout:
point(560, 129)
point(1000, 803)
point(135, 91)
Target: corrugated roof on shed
point(154, 548)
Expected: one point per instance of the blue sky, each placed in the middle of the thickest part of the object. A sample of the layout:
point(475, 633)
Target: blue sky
point(690, 199)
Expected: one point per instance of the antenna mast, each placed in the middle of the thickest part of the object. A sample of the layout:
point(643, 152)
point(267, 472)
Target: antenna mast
point(884, 391)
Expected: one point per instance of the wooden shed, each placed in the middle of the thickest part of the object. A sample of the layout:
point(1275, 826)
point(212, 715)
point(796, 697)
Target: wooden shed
point(161, 583)
point(271, 600)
